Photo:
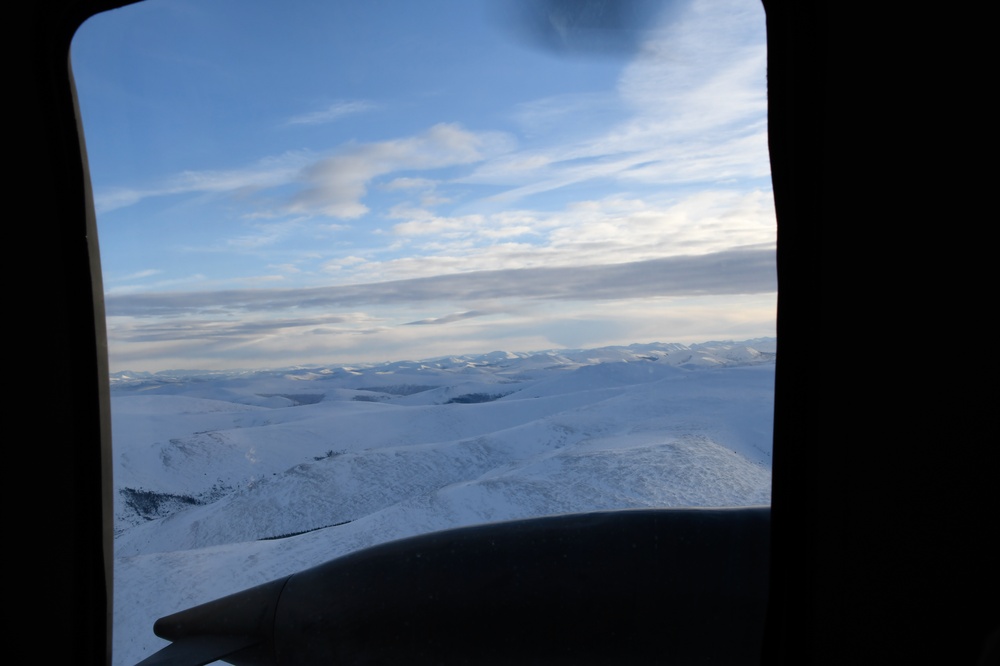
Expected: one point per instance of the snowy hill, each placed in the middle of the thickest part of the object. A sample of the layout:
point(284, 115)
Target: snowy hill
point(227, 480)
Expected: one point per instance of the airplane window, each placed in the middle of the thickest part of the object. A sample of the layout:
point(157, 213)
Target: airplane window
point(377, 269)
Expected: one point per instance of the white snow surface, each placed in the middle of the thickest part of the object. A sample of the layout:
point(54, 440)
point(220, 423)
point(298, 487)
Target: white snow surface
point(227, 480)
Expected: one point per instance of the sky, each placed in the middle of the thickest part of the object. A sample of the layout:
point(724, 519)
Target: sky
point(319, 182)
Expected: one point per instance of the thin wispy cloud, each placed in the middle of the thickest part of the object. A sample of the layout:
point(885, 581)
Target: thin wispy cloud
point(220, 329)
point(332, 113)
point(150, 272)
point(407, 183)
point(268, 172)
point(186, 280)
point(447, 319)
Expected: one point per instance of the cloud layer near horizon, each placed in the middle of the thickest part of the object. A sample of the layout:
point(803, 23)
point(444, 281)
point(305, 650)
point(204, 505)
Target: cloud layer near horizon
point(750, 271)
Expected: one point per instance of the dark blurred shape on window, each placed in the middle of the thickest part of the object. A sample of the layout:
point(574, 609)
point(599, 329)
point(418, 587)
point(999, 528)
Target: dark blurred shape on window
point(592, 28)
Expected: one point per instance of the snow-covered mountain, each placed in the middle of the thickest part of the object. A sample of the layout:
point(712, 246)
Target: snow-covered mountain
point(227, 480)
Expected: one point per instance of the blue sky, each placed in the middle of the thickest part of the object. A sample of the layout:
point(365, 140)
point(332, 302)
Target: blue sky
point(330, 182)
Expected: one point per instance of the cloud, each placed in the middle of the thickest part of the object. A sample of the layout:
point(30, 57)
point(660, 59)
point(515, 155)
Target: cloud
point(447, 319)
point(160, 284)
point(331, 186)
point(568, 113)
point(426, 225)
point(601, 231)
point(353, 337)
point(750, 271)
point(408, 183)
point(708, 72)
point(336, 185)
point(207, 330)
point(335, 111)
point(149, 272)
point(266, 173)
